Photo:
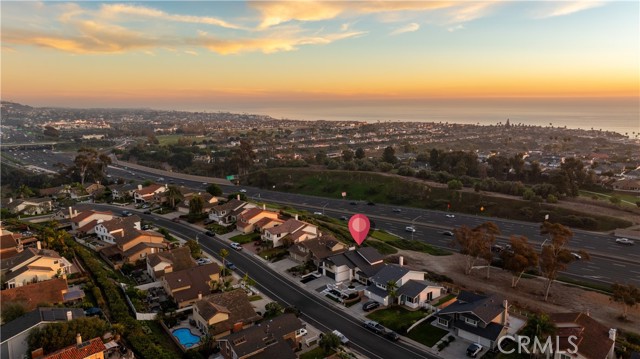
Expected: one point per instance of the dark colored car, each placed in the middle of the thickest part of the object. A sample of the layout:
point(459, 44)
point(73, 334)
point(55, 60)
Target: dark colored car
point(231, 266)
point(474, 349)
point(370, 204)
point(210, 234)
point(391, 335)
point(373, 326)
point(126, 214)
point(147, 212)
point(344, 218)
point(177, 219)
point(369, 306)
point(353, 203)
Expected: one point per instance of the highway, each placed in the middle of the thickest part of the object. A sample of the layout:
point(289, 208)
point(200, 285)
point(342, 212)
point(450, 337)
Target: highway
point(323, 315)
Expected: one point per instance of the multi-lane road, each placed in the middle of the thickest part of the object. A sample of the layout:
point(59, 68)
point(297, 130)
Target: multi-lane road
point(610, 262)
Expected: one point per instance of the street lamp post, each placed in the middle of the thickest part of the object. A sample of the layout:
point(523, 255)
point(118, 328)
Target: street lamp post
point(323, 207)
point(413, 226)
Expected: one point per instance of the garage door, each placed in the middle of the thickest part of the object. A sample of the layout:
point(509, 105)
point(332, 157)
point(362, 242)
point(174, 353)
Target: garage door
point(486, 343)
point(330, 274)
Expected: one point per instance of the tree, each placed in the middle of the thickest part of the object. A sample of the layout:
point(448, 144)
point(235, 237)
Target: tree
point(214, 190)
point(321, 157)
point(55, 336)
point(194, 247)
point(389, 155)
point(360, 154)
point(89, 163)
point(223, 254)
point(627, 295)
point(454, 185)
point(173, 195)
point(475, 243)
point(392, 291)
point(555, 256)
point(11, 311)
point(248, 281)
point(329, 342)
point(196, 205)
point(24, 191)
point(519, 258)
point(347, 155)
point(539, 326)
point(272, 309)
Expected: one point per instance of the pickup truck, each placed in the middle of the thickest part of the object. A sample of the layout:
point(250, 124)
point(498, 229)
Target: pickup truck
point(373, 326)
point(343, 339)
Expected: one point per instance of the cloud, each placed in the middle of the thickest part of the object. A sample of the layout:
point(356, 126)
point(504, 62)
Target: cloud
point(114, 10)
point(456, 28)
point(190, 52)
point(470, 11)
point(411, 27)
point(567, 8)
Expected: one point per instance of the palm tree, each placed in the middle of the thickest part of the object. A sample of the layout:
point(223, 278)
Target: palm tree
point(392, 291)
point(173, 195)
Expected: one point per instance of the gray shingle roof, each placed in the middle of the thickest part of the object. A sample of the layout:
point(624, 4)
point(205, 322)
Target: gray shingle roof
point(28, 320)
point(389, 272)
point(413, 287)
point(484, 307)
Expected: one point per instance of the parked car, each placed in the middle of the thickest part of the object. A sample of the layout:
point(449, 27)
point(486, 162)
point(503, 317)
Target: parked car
point(447, 233)
point(373, 326)
point(147, 211)
point(126, 214)
point(231, 266)
point(236, 246)
point(210, 233)
point(370, 204)
point(369, 306)
point(301, 332)
point(474, 349)
point(203, 261)
point(625, 241)
point(343, 339)
point(353, 203)
point(409, 229)
point(177, 220)
point(391, 335)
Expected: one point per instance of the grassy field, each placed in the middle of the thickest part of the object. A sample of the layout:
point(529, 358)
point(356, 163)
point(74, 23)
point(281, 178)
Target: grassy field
point(379, 188)
point(317, 353)
point(426, 333)
point(166, 140)
point(397, 319)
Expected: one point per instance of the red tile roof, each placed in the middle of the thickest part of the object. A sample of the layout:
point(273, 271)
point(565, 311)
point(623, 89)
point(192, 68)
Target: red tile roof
point(592, 337)
point(81, 351)
point(49, 291)
point(145, 191)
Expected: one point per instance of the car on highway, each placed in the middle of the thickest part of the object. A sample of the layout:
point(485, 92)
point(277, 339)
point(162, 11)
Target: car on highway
point(353, 203)
point(344, 218)
point(243, 191)
point(410, 229)
point(451, 216)
point(236, 246)
point(369, 306)
point(370, 204)
point(447, 233)
point(625, 241)
point(474, 349)
point(318, 213)
point(397, 210)
point(373, 326)
point(576, 256)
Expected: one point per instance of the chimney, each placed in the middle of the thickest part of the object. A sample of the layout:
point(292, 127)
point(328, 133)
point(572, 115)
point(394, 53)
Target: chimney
point(588, 313)
point(38, 245)
point(199, 295)
point(70, 212)
point(401, 261)
point(505, 314)
point(238, 197)
point(264, 207)
point(296, 216)
point(10, 199)
point(612, 334)
point(139, 187)
point(69, 315)
point(78, 339)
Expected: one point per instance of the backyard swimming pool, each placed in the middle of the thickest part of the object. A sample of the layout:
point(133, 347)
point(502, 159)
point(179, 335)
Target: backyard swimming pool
point(185, 337)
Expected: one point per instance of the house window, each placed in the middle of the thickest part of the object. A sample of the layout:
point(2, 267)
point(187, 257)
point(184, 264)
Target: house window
point(471, 321)
point(443, 322)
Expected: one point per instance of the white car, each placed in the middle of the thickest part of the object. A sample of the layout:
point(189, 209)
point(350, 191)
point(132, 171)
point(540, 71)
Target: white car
point(343, 339)
point(236, 246)
point(301, 332)
point(318, 213)
point(576, 256)
point(626, 241)
point(243, 191)
point(409, 229)
point(451, 216)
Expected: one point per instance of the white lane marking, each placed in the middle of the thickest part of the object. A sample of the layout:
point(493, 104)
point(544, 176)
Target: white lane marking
point(619, 265)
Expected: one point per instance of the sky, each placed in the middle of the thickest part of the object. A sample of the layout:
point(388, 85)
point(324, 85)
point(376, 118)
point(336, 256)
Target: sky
point(211, 54)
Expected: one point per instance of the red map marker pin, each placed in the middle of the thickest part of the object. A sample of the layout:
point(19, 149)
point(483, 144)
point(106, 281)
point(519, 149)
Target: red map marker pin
point(359, 227)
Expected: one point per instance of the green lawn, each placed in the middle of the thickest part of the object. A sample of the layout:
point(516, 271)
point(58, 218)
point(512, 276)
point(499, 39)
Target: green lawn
point(382, 247)
point(397, 319)
point(246, 238)
point(317, 353)
point(384, 236)
point(165, 140)
point(426, 333)
point(274, 254)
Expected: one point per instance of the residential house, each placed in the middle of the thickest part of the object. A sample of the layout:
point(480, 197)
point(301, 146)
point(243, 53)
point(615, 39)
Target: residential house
point(224, 313)
point(15, 334)
point(33, 265)
point(209, 202)
point(226, 213)
point(159, 264)
point(247, 219)
point(29, 206)
point(90, 349)
point(316, 250)
point(150, 193)
point(292, 231)
point(357, 264)
point(266, 223)
point(411, 288)
point(108, 231)
point(50, 291)
point(53, 192)
point(10, 244)
point(80, 220)
point(477, 318)
point(132, 245)
point(627, 185)
point(594, 340)
point(189, 285)
point(123, 190)
point(94, 188)
point(275, 338)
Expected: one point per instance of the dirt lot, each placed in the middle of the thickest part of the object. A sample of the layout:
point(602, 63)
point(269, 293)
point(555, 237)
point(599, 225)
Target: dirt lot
point(529, 294)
